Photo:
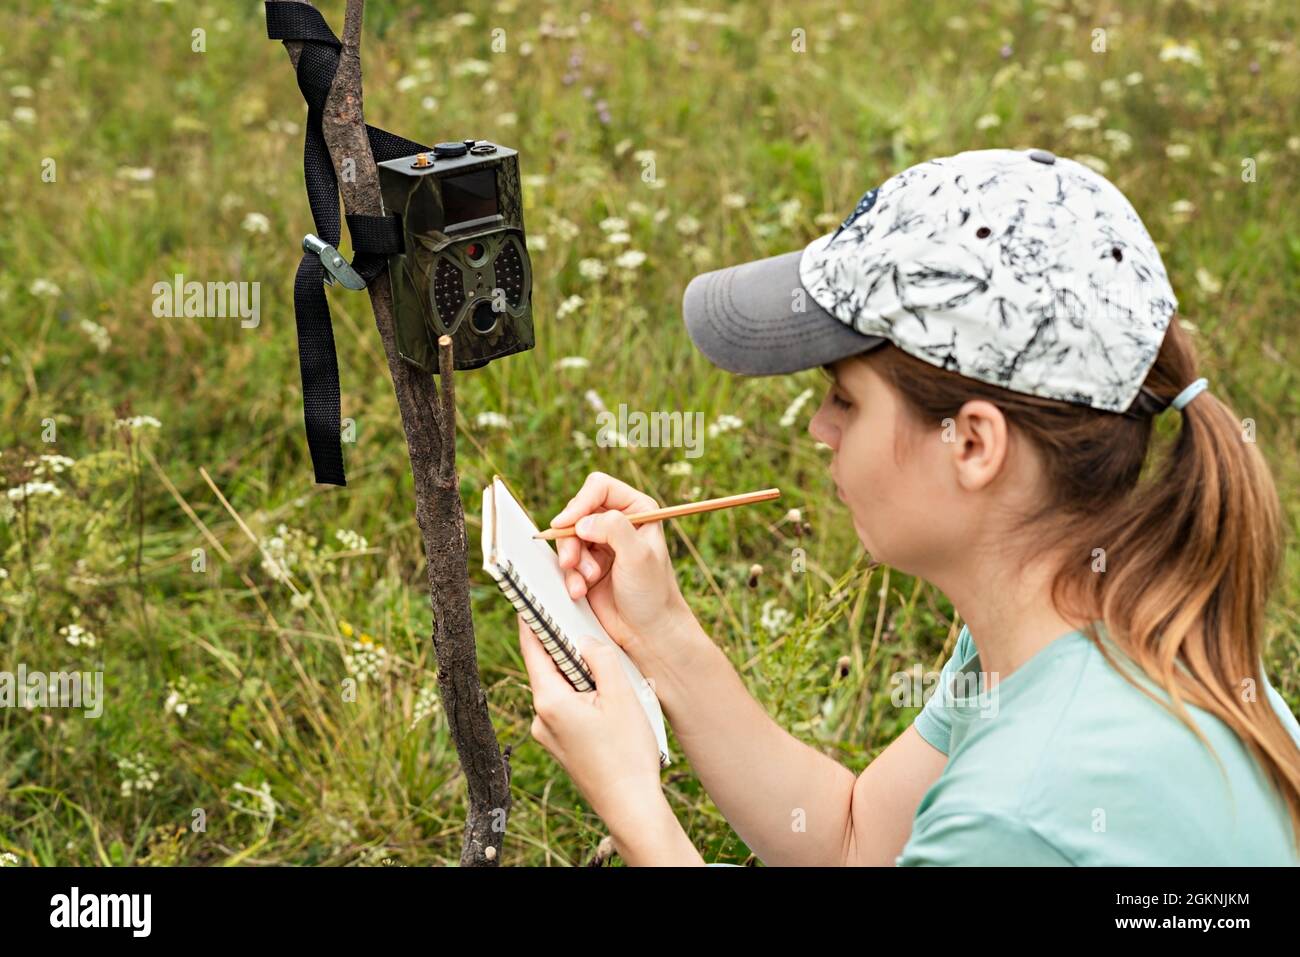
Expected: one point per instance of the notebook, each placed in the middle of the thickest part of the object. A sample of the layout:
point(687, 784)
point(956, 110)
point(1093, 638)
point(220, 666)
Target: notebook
point(529, 574)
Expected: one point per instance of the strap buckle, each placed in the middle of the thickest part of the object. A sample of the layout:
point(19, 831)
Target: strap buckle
point(336, 267)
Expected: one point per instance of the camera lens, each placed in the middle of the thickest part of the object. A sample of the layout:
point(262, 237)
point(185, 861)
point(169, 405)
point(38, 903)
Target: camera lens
point(484, 318)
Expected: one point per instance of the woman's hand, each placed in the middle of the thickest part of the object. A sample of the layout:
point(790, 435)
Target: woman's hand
point(601, 737)
point(624, 571)
point(604, 742)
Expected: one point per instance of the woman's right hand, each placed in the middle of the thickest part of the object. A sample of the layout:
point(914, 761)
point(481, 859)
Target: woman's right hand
point(624, 570)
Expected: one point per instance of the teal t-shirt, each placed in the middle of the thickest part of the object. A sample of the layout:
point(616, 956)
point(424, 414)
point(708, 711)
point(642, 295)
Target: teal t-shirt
point(1065, 762)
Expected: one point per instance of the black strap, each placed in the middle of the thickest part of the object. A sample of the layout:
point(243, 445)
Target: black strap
point(374, 238)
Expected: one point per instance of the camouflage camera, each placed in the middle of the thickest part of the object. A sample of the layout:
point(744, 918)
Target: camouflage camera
point(465, 271)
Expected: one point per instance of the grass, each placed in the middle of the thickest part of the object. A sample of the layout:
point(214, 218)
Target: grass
point(227, 625)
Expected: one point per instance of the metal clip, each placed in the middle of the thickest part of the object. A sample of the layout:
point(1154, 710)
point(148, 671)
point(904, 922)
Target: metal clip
point(336, 267)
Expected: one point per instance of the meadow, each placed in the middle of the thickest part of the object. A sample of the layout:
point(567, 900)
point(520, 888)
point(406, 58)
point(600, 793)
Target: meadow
point(159, 521)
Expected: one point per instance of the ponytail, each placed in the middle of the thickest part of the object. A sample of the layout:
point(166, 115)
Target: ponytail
point(1191, 538)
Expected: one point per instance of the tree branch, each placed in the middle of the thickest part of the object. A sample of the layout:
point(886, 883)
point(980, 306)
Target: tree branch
point(430, 428)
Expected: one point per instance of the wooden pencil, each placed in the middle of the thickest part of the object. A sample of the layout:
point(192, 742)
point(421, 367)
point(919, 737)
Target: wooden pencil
point(675, 511)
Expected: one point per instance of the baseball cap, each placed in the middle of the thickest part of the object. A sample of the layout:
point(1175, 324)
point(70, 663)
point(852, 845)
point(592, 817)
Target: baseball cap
point(1016, 268)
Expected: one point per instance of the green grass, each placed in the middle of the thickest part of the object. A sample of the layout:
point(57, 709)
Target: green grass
point(727, 107)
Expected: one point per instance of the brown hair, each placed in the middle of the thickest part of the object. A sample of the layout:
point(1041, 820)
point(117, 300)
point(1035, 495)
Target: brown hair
point(1192, 550)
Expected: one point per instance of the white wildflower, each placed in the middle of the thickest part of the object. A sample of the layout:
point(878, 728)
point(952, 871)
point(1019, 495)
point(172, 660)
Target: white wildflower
point(181, 696)
point(688, 225)
point(136, 174)
point(1181, 52)
point(573, 362)
point(1209, 283)
point(138, 774)
point(426, 704)
point(788, 212)
point(491, 420)
point(44, 288)
point(266, 806)
point(351, 540)
point(138, 422)
point(773, 618)
point(724, 423)
point(678, 469)
point(566, 230)
point(256, 223)
point(630, 260)
point(54, 464)
point(97, 335)
point(569, 306)
point(29, 489)
point(592, 269)
point(367, 660)
point(792, 410)
point(277, 558)
point(1120, 142)
point(471, 68)
point(77, 636)
point(988, 121)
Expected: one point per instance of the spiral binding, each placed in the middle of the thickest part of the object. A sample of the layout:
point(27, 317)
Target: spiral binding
point(556, 643)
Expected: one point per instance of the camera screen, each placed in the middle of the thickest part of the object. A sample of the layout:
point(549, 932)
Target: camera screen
point(469, 196)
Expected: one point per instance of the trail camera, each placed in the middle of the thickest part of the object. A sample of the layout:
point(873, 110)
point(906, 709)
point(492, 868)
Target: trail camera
point(465, 271)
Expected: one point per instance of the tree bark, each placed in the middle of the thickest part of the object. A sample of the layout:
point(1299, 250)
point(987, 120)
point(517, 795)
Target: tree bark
point(429, 421)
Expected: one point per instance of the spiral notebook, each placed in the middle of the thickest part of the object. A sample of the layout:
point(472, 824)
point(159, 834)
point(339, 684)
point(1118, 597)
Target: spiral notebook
point(528, 573)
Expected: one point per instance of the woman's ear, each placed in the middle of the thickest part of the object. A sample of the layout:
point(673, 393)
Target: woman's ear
point(979, 440)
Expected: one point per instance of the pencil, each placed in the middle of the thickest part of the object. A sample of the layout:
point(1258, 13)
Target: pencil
point(675, 511)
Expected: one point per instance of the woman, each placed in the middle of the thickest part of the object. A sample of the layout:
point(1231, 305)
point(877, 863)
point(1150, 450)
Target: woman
point(998, 330)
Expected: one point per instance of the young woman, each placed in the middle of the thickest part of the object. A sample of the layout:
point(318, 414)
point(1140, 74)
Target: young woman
point(998, 327)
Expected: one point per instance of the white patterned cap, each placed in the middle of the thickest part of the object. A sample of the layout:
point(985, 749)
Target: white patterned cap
point(1013, 267)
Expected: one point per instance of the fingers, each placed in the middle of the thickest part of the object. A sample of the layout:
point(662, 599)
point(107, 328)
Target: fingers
point(603, 491)
point(594, 564)
point(543, 676)
point(606, 669)
point(588, 565)
point(569, 551)
point(576, 584)
point(616, 531)
point(604, 560)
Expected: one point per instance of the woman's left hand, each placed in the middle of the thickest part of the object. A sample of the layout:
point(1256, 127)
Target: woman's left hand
point(601, 737)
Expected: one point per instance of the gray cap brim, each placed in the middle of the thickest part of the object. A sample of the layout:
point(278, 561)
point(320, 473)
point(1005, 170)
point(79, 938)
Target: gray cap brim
point(744, 319)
